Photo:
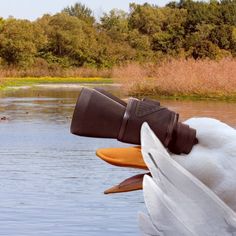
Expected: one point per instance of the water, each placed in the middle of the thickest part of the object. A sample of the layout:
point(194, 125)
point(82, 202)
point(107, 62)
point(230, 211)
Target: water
point(51, 182)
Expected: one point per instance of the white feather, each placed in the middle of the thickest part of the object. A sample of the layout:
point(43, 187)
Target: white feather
point(147, 225)
point(213, 160)
point(162, 211)
point(178, 199)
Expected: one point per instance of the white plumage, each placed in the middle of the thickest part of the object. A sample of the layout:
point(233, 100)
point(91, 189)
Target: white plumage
point(192, 194)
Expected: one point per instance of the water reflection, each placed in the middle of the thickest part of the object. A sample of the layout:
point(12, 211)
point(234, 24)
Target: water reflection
point(55, 104)
point(51, 181)
point(224, 111)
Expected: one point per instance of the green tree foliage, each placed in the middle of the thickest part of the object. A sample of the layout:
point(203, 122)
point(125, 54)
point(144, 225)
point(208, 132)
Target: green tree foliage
point(73, 42)
point(200, 13)
point(19, 41)
point(228, 10)
point(164, 26)
point(73, 38)
point(141, 44)
point(115, 24)
point(1, 22)
point(80, 11)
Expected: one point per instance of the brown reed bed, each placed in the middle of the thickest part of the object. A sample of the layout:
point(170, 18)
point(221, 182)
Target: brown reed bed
point(170, 78)
point(180, 78)
point(55, 71)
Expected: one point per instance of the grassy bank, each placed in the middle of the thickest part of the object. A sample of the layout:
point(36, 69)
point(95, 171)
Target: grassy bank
point(181, 79)
point(15, 82)
point(184, 79)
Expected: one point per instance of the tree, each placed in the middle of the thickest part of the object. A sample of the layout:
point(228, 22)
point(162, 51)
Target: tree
point(222, 36)
point(71, 38)
point(80, 11)
point(19, 41)
point(228, 10)
point(115, 24)
point(205, 49)
point(145, 18)
point(1, 22)
point(200, 12)
point(68, 40)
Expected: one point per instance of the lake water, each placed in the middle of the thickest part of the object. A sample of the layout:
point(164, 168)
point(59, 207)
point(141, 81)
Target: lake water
point(51, 182)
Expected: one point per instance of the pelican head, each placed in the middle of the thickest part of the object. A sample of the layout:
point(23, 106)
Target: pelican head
point(212, 160)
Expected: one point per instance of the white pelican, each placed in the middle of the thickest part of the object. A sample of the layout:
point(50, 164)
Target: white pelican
point(192, 194)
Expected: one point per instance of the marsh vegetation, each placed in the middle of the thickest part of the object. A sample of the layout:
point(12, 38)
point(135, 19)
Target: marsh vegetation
point(194, 38)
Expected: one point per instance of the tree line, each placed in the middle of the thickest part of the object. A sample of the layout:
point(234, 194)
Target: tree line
point(147, 33)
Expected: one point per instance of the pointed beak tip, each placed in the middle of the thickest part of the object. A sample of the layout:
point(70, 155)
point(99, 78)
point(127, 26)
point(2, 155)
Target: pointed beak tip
point(106, 192)
point(114, 189)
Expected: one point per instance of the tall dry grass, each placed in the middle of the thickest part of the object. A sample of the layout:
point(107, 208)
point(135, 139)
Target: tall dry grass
point(173, 77)
point(180, 78)
point(55, 71)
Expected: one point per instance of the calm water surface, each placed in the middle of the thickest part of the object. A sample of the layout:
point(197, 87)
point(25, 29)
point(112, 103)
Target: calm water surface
point(51, 182)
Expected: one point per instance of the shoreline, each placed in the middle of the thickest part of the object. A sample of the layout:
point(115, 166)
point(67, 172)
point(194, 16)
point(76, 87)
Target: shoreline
point(210, 97)
point(56, 82)
point(8, 83)
point(182, 96)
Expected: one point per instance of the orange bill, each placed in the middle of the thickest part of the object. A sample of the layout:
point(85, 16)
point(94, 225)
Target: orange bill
point(124, 157)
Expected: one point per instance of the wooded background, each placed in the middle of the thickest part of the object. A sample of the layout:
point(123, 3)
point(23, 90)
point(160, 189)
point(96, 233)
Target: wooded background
point(147, 33)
